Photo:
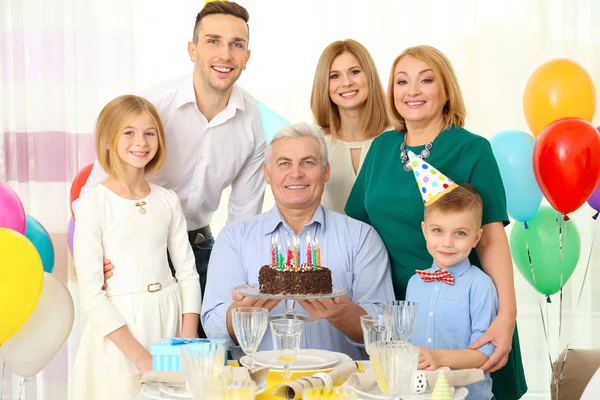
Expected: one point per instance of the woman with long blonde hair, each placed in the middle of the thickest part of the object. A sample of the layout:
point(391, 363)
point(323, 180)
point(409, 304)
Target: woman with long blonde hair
point(348, 103)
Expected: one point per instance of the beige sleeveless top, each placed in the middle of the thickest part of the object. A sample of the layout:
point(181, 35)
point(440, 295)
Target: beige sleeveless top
point(342, 176)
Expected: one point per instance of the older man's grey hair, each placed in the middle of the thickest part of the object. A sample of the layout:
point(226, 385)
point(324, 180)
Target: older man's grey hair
point(298, 130)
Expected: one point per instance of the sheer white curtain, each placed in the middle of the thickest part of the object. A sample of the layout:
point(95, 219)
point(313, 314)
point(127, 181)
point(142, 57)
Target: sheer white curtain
point(61, 61)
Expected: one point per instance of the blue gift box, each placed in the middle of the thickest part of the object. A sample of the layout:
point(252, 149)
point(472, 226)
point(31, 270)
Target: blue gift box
point(166, 356)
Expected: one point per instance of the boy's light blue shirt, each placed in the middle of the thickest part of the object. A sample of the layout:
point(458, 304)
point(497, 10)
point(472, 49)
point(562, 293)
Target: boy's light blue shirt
point(451, 317)
point(352, 250)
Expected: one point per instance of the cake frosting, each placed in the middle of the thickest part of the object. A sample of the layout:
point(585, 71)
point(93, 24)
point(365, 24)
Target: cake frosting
point(287, 280)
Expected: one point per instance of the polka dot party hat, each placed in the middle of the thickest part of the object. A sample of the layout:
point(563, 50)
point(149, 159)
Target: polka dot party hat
point(442, 390)
point(432, 183)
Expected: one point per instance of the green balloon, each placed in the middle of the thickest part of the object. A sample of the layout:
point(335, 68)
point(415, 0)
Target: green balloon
point(543, 241)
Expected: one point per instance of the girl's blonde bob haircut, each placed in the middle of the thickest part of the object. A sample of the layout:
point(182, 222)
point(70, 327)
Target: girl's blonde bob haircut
point(454, 110)
point(326, 113)
point(113, 118)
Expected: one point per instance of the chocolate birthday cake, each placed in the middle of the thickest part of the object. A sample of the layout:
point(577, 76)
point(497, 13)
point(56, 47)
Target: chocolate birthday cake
point(288, 280)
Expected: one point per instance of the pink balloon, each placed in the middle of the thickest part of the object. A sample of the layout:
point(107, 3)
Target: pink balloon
point(70, 231)
point(12, 214)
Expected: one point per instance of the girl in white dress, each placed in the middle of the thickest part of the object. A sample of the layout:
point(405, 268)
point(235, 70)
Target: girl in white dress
point(132, 223)
point(348, 103)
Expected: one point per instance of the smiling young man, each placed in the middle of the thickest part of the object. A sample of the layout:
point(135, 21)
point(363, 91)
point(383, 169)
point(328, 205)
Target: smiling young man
point(296, 168)
point(209, 121)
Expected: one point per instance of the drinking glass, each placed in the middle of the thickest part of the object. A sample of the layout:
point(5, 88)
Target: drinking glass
point(374, 330)
point(250, 325)
point(202, 365)
point(401, 316)
point(321, 393)
point(395, 364)
point(286, 341)
point(233, 390)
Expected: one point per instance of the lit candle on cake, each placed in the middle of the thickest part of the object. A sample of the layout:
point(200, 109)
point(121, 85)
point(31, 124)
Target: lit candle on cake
point(273, 252)
point(308, 251)
point(277, 250)
point(318, 252)
point(314, 257)
point(288, 261)
point(280, 261)
point(296, 243)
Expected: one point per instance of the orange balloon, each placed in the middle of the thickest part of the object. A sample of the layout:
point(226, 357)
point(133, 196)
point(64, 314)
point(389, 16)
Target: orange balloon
point(79, 182)
point(558, 89)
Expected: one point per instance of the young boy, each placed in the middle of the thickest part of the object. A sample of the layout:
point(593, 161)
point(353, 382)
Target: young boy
point(457, 301)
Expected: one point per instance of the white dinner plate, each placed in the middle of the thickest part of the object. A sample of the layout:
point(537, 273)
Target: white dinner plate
point(180, 392)
point(151, 391)
point(375, 394)
point(307, 360)
point(459, 392)
point(177, 391)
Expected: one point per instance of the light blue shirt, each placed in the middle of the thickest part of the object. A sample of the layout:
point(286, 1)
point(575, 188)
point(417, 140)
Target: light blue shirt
point(451, 317)
point(352, 250)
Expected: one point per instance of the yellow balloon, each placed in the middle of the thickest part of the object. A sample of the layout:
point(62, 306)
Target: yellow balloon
point(21, 281)
point(558, 89)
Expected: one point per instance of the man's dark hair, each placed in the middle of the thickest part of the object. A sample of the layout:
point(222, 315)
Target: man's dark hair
point(220, 7)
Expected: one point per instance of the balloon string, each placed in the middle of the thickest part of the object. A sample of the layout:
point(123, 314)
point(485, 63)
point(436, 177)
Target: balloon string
point(560, 243)
point(555, 373)
point(23, 383)
point(540, 304)
point(2, 379)
point(530, 262)
point(562, 237)
point(587, 267)
point(546, 332)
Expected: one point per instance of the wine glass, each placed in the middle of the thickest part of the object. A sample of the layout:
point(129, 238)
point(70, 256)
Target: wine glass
point(232, 390)
point(202, 365)
point(322, 393)
point(286, 341)
point(374, 329)
point(250, 325)
point(401, 316)
point(395, 364)
point(290, 313)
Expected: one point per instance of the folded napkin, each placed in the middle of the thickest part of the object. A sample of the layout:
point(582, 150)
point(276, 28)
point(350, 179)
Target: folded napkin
point(460, 377)
point(295, 388)
point(178, 378)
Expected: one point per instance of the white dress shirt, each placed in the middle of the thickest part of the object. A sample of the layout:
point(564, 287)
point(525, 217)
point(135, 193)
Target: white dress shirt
point(204, 158)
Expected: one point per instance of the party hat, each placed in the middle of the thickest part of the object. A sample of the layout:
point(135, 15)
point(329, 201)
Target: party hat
point(432, 183)
point(442, 390)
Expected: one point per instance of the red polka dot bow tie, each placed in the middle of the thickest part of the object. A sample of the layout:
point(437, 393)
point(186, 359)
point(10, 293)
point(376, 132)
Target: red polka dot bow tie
point(441, 275)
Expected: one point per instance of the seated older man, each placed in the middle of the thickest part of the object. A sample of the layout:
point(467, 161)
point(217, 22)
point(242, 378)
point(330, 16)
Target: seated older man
point(296, 167)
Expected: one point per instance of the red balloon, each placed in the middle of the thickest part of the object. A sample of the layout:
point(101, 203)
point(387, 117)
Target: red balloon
point(79, 182)
point(566, 163)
